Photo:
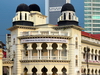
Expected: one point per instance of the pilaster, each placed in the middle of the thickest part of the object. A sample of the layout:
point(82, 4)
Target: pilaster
point(72, 59)
point(18, 58)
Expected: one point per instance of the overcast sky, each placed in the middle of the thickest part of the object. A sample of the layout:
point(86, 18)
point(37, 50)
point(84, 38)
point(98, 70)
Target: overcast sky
point(8, 10)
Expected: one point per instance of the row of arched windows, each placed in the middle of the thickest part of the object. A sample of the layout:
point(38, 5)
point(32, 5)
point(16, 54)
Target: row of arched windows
point(44, 71)
point(92, 54)
point(92, 51)
point(44, 49)
point(92, 71)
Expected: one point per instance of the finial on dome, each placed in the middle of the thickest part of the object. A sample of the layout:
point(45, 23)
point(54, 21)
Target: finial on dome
point(67, 1)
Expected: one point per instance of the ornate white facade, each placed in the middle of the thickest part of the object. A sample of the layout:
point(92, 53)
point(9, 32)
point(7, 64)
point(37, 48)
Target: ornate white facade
point(47, 49)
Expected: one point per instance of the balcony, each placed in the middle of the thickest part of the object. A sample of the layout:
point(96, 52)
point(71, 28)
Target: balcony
point(6, 59)
point(31, 33)
point(44, 58)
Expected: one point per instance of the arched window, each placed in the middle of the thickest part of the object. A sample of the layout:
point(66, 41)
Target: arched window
point(64, 70)
point(64, 51)
point(69, 16)
point(92, 71)
point(54, 51)
point(25, 16)
point(76, 60)
point(88, 71)
point(84, 71)
point(76, 42)
point(20, 16)
point(25, 71)
point(44, 71)
point(26, 51)
point(54, 70)
point(92, 51)
point(99, 72)
point(96, 72)
point(83, 55)
point(44, 49)
point(64, 16)
point(95, 57)
point(13, 41)
point(34, 50)
point(34, 70)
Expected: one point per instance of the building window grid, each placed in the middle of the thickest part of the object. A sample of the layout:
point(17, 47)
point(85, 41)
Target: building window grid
point(93, 53)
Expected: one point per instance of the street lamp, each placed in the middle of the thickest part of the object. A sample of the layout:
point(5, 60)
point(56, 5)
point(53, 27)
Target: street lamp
point(87, 49)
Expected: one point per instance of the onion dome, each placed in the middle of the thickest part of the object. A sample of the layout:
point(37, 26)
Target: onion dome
point(67, 7)
point(34, 7)
point(22, 7)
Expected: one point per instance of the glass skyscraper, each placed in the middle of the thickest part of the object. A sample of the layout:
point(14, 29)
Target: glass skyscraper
point(52, 10)
point(92, 16)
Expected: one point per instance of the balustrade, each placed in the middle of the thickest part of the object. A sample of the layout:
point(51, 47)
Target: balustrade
point(44, 58)
point(29, 33)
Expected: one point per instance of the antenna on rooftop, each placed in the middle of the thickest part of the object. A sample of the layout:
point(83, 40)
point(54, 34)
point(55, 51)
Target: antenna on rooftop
point(67, 1)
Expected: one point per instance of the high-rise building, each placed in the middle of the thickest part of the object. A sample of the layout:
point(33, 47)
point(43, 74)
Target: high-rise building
point(52, 10)
point(92, 16)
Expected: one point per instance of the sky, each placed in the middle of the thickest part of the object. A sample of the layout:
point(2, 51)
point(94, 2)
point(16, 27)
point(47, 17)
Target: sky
point(8, 11)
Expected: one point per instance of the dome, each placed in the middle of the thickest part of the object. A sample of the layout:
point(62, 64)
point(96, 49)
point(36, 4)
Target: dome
point(67, 7)
point(34, 7)
point(22, 7)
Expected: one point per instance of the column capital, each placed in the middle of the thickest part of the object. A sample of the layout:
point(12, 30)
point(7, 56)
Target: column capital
point(39, 46)
point(29, 46)
point(9, 66)
point(59, 46)
point(49, 46)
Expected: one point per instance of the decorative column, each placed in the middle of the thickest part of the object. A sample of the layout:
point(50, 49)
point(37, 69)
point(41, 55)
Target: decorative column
point(39, 48)
point(48, 54)
point(59, 48)
point(9, 70)
point(38, 53)
point(29, 51)
point(49, 48)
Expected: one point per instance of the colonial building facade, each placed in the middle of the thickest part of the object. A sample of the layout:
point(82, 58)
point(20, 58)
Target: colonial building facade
point(36, 48)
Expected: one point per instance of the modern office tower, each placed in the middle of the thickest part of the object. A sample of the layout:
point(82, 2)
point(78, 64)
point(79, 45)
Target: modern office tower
point(52, 10)
point(92, 16)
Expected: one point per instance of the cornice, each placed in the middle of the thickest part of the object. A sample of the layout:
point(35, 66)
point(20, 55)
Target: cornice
point(26, 61)
point(90, 43)
point(69, 26)
point(90, 63)
point(22, 27)
point(8, 62)
point(44, 36)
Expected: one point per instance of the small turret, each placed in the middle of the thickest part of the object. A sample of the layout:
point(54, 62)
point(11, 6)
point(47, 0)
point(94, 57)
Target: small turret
point(22, 16)
point(68, 16)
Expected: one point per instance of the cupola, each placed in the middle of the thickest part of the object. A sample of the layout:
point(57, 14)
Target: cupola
point(22, 16)
point(68, 16)
point(22, 7)
point(34, 7)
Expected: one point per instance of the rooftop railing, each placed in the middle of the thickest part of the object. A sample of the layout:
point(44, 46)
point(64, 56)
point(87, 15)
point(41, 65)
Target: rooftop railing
point(30, 33)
